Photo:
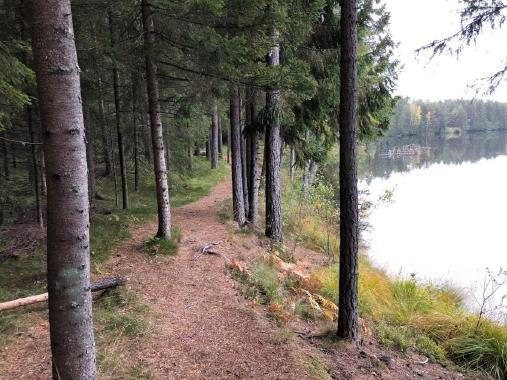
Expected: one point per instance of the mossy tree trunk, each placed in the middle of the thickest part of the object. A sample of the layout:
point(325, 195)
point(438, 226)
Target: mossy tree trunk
point(68, 245)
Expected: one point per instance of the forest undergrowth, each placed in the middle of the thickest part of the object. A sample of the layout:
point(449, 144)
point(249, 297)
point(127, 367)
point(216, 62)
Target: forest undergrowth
point(121, 318)
point(404, 314)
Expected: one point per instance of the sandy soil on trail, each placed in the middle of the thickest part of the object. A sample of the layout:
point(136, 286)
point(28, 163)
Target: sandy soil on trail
point(205, 329)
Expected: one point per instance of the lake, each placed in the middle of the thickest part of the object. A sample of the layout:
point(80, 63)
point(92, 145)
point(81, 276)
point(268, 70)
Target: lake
point(440, 209)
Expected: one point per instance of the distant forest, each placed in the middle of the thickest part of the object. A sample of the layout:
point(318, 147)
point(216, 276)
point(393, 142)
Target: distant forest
point(449, 116)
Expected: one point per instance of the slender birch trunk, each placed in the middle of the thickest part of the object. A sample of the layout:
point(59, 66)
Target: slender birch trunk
point(157, 138)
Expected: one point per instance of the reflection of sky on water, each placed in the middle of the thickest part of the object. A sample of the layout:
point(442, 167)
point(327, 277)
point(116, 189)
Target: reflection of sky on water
point(446, 222)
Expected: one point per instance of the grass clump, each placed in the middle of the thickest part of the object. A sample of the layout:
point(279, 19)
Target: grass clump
point(408, 315)
point(121, 321)
point(303, 310)
point(158, 246)
point(265, 279)
point(316, 368)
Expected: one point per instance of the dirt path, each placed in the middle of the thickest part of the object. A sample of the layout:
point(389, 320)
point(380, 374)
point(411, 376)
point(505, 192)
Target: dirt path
point(206, 330)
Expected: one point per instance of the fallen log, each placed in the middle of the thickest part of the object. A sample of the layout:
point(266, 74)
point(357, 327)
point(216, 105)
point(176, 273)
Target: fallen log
point(104, 284)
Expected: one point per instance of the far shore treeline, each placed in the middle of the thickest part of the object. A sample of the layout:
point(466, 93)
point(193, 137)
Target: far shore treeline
point(447, 116)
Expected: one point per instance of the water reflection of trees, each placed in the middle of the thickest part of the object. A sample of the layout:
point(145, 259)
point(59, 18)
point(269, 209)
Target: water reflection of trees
point(469, 147)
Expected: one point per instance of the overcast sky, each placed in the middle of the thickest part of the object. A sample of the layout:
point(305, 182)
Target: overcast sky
point(417, 22)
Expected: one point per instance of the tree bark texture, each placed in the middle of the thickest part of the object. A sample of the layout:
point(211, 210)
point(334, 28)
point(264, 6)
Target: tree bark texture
point(214, 137)
point(348, 316)
point(237, 180)
point(157, 138)
point(273, 158)
point(292, 163)
point(229, 146)
point(102, 114)
point(253, 168)
point(117, 107)
point(68, 245)
point(220, 139)
point(5, 156)
point(135, 84)
point(35, 167)
point(90, 159)
point(244, 168)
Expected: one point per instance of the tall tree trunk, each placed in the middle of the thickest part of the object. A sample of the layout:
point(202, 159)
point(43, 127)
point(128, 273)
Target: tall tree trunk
point(167, 150)
point(292, 163)
point(244, 170)
point(237, 180)
point(14, 155)
point(208, 145)
point(273, 156)
point(102, 114)
point(117, 107)
point(135, 84)
point(147, 137)
point(68, 245)
point(229, 146)
point(5, 156)
point(348, 315)
point(90, 159)
point(214, 137)
point(254, 171)
point(190, 149)
point(220, 139)
point(42, 168)
point(113, 163)
point(35, 168)
point(164, 207)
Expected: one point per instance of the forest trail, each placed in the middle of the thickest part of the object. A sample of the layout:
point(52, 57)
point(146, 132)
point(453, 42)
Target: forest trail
point(205, 330)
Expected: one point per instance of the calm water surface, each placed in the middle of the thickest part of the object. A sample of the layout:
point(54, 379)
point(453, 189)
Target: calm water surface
point(445, 218)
